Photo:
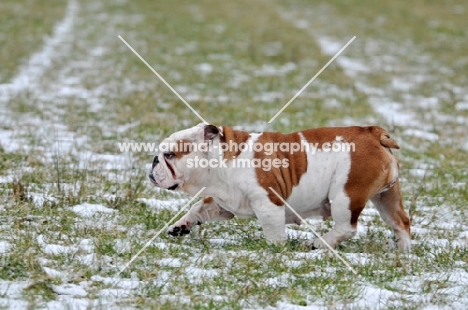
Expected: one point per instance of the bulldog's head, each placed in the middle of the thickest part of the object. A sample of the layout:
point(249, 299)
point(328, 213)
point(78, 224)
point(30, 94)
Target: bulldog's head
point(173, 167)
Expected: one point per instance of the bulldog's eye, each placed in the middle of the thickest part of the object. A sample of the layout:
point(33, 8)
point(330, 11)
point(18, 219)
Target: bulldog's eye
point(169, 155)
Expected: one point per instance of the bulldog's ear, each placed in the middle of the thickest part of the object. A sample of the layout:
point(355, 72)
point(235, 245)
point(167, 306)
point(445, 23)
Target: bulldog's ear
point(211, 132)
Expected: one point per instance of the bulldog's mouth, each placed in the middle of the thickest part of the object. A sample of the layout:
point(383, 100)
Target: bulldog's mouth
point(173, 187)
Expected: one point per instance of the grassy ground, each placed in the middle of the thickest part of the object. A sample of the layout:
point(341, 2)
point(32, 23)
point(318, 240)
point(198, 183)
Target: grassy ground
point(237, 63)
point(24, 25)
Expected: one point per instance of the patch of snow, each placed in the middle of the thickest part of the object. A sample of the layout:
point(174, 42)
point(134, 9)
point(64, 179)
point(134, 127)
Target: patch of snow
point(426, 103)
point(69, 302)
point(89, 210)
point(9, 141)
point(288, 306)
point(374, 297)
point(268, 96)
point(40, 198)
point(6, 178)
point(172, 205)
point(69, 289)
point(393, 111)
point(462, 105)
point(196, 272)
point(52, 273)
point(358, 258)
point(238, 78)
point(332, 103)
point(421, 134)
point(122, 245)
point(204, 68)
point(299, 234)
point(302, 24)
point(459, 185)
point(329, 46)
point(55, 249)
point(463, 235)
point(219, 241)
point(352, 67)
point(370, 212)
point(418, 173)
point(182, 299)
point(115, 293)
point(118, 282)
point(281, 281)
point(316, 254)
point(219, 28)
point(402, 84)
point(5, 247)
point(160, 245)
point(270, 70)
point(13, 289)
point(188, 47)
point(92, 259)
point(294, 263)
point(170, 262)
point(86, 245)
point(225, 57)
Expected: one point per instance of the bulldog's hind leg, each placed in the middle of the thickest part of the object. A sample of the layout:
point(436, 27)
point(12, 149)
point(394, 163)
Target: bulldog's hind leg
point(204, 211)
point(345, 212)
point(390, 206)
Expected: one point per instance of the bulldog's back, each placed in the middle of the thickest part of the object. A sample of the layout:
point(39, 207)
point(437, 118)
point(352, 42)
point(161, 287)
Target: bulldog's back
point(329, 159)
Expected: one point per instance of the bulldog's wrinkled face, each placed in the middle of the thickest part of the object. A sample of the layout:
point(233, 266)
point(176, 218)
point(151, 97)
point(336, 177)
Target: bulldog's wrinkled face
point(171, 169)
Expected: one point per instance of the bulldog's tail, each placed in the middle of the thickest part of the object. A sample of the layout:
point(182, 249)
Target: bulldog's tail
point(386, 141)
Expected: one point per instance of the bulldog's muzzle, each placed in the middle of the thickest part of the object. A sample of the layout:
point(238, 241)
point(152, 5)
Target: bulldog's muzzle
point(151, 176)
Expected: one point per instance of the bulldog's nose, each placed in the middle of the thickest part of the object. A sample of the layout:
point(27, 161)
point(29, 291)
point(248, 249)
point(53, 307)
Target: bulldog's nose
point(155, 161)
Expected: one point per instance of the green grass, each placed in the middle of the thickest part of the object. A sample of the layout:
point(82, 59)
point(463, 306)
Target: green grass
point(117, 98)
point(24, 26)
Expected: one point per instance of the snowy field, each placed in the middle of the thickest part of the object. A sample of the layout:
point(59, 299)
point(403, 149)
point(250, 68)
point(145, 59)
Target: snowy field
point(75, 209)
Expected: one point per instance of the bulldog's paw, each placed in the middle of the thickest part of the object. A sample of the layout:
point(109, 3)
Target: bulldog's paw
point(178, 230)
point(317, 244)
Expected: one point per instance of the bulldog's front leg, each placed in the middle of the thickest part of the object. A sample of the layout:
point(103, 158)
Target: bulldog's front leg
point(204, 211)
point(273, 220)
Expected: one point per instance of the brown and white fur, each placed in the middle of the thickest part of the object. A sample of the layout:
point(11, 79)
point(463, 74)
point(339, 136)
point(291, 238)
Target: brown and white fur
point(336, 184)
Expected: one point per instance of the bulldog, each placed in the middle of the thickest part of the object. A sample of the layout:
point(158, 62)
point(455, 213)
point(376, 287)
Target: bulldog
point(319, 172)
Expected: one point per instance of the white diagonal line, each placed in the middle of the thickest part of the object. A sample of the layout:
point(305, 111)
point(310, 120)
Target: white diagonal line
point(315, 233)
point(159, 232)
point(311, 80)
point(164, 81)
